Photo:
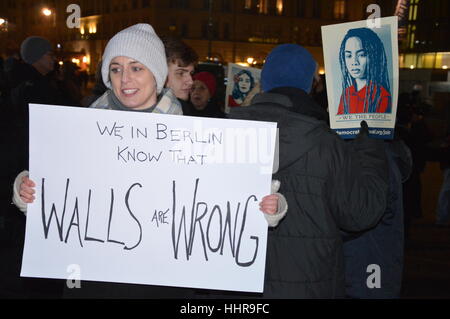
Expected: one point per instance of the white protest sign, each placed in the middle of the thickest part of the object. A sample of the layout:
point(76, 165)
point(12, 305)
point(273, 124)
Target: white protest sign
point(361, 69)
point(148, 198)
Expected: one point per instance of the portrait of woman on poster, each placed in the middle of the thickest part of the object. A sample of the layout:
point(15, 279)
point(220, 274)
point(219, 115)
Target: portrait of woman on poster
point(365, 80)
point(244, 82)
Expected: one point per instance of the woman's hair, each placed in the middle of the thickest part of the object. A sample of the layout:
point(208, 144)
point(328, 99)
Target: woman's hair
point(376, 68)
point(237, 94)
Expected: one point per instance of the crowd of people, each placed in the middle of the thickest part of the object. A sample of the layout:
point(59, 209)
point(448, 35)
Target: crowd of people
point(336, 206)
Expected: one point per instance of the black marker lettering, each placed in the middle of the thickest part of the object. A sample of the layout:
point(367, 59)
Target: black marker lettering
point(115, 129)
point(198, 220)
point(215, 208)
point(75, 214)
point(182, 222)
point(53, 212)
point(228, 225)
point(161, 130)
point(186, 135)
point(249, 263)
point(109, 221)
point(134, 217)
point(86, 237)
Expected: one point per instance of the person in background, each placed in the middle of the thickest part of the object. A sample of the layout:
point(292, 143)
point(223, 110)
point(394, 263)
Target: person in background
point(181, 63)
point(98, 90)
point(36, 86)
point(16, 71)
point(319, 91)
point(418, 139)
point(203, 102)
point(374, 258)
point(69, 82)
point(29, 81)
point(134, 70)
point(329, 185)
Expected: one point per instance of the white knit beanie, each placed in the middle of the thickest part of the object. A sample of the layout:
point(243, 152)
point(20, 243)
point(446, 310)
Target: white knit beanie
point(138, 42)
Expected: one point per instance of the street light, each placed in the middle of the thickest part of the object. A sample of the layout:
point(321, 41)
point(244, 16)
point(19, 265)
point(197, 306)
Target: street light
point(47, 12)
point(4, 34)
point(3, 24)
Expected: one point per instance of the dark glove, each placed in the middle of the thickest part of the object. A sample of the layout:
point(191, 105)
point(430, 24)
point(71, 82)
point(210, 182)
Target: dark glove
point(364, 131)
point(363, 141)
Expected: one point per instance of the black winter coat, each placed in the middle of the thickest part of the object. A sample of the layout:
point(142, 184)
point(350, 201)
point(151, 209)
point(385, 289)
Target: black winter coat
point(329, 185)
point(382, 245)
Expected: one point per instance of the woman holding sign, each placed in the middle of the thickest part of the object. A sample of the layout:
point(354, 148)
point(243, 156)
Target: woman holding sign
point(365, 83)
point(134, 70)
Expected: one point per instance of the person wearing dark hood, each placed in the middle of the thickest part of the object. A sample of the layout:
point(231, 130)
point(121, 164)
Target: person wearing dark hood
point(329, 185)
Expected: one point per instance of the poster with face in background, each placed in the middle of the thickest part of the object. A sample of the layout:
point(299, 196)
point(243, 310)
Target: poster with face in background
point(362, 82)
point(243, 84)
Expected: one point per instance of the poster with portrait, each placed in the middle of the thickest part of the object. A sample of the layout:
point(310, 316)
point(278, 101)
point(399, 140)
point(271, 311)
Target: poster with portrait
point(243, 84)
point(361, 69)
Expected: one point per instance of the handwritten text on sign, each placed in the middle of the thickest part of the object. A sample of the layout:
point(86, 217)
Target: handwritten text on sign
point(148, 198)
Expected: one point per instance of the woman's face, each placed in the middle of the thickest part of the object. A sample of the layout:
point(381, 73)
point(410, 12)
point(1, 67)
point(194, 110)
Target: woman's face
point(355, 58)
point(199, 95)
point(244, 83)
point(132, 83)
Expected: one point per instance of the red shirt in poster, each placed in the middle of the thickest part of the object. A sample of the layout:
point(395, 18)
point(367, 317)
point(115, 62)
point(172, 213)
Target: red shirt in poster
point(356, 100)
point(232, 102)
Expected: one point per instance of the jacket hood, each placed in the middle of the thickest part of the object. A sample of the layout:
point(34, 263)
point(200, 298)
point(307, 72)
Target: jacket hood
point(300, 121)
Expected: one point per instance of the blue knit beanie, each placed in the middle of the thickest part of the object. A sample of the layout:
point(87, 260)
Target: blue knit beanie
point(288, 65)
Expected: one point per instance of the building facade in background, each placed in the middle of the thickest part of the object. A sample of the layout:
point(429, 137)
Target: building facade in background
point(225, 31)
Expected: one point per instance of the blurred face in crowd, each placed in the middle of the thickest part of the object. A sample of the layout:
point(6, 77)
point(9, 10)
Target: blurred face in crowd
point(244, 83)
point(199, 95)
point(179, 79)
point(355, 58)
point(46, 63)
point(132, 83)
